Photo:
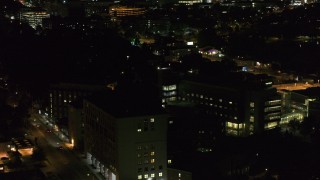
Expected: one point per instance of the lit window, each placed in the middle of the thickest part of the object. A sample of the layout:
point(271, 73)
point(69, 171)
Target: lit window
point(160, 174)
point(230, 102)
point(170, 122)
point(220, 100)
point(152, 120)
point(139, 130)
point(139, 176)
point(179, 174)
point(252, 119)
point(152, 161)
point(146, 176)
point(169, 161)
point(152, 153)
point(152, 175)
point(251, 104)
point(65, 101)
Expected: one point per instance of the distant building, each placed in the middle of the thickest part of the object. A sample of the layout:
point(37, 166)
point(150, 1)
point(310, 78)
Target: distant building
point(82, 24)
point(211, 53)
point(34, 17)
point(126, 138)
point(123, 11)
point(100, 8)
point(190, 2)
point(167, 84)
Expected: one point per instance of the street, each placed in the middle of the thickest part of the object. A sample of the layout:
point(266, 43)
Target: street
point(61, 162)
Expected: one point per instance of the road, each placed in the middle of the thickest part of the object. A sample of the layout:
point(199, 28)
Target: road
point(63, 163)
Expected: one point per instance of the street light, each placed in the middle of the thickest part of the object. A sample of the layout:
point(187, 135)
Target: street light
point(91, 176)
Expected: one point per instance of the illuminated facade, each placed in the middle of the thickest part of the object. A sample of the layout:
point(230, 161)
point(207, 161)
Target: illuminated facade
point(190, 2)
point(300, 104)
point(122, 11)
point(35, 18)
point(211, 53)
point(238, 109)
point(167, 84)
point(123, 146)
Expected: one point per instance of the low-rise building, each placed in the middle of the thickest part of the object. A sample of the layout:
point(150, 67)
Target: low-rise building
point(243, 104)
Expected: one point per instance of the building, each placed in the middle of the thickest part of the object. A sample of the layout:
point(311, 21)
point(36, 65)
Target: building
point(125, 136)
point(167, 84)
point(34, 17)
point(24, 146)
point(61, 94)
point(242, 104)
point(300, 104)
point(190, 2)
point(123, 11)
point(211, 53)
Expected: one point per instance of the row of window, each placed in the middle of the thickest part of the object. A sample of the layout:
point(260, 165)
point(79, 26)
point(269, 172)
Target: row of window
point(169, 87)
point(145, 154)
point(271, 125)
point(235, 125)
point(273, 102)
point(146, 147)
point(146, 169)
point(152, 175)
point(210, 98)
point(274, 108)
point(147, 161)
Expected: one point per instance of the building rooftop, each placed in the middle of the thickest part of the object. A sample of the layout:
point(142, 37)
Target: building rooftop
point(234, 80)
point(313, 92)
point(129, 101)
point(79, 86)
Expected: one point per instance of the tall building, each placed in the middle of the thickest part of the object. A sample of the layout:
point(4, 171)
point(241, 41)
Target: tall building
point(125, 137)
point(167, 84)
